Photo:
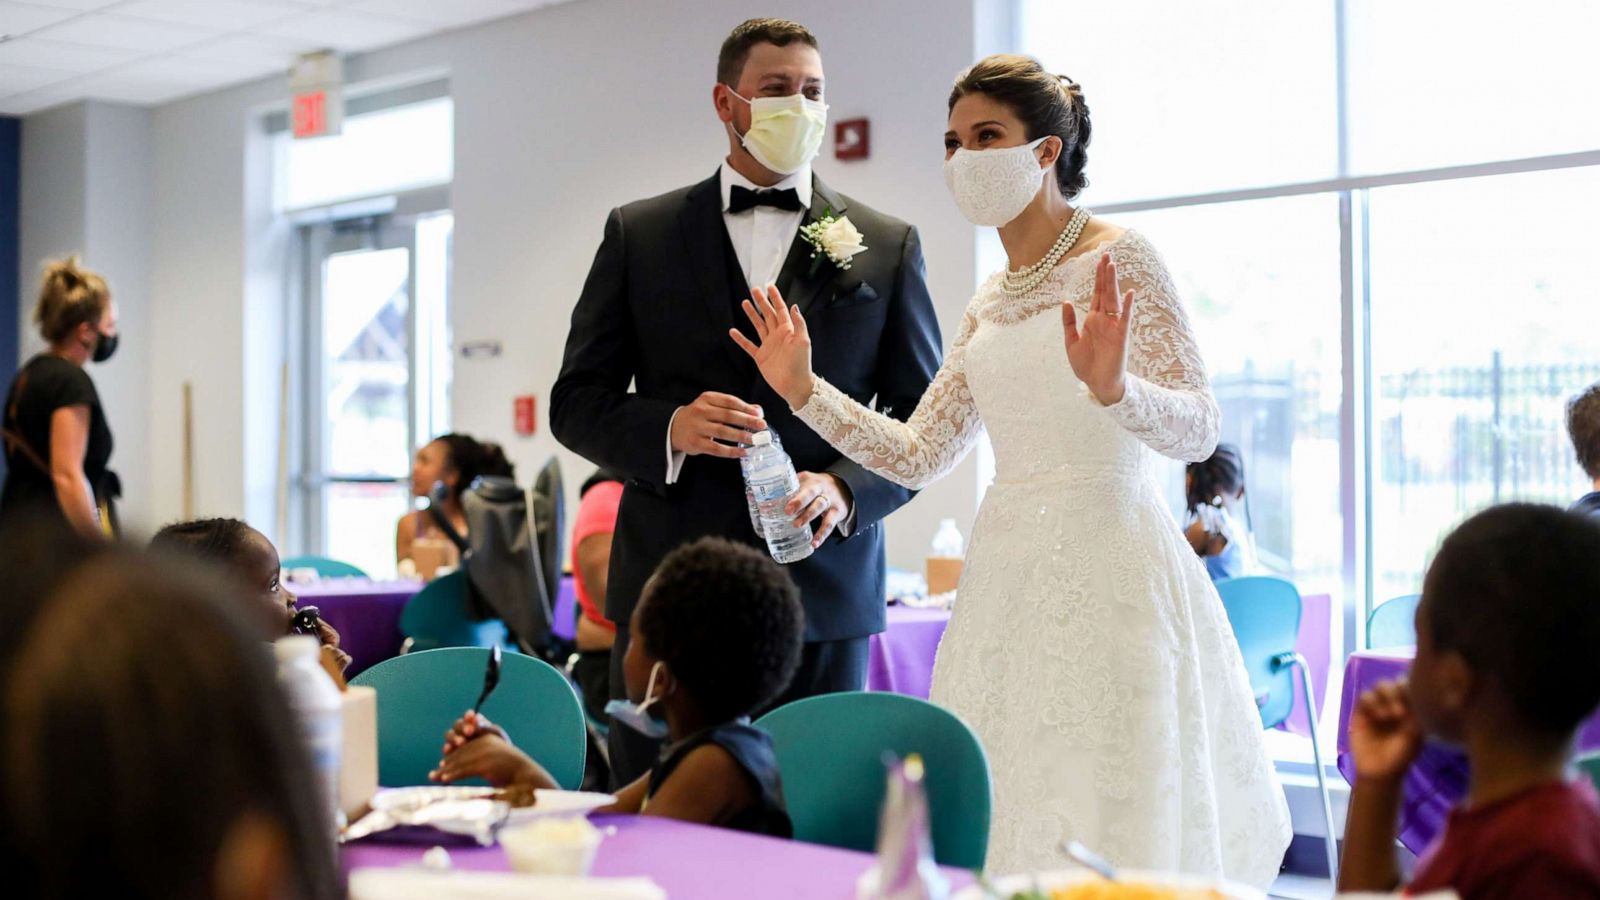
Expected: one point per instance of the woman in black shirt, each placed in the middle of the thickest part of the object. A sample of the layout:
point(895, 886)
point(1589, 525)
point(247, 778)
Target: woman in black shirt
point(56, 439)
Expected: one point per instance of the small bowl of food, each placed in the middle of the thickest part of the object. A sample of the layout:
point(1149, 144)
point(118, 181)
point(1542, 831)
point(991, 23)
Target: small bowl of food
point(552, 846)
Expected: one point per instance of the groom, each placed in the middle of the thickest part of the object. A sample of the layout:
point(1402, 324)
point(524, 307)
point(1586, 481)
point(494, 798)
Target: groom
point(665, 288)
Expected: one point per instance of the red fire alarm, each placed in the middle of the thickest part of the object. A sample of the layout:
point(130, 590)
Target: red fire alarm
point(850, 139)
point(526, 420)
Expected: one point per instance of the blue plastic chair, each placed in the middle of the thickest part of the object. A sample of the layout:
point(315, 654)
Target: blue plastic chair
point(438, 617)
point(1265, 614)
point(421, 694)
point(831, 754)
point(325, 567)
point(1394, 624)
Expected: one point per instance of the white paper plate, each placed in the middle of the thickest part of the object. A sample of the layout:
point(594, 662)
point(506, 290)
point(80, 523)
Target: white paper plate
point(1005, 887)
point(546, 804)
point(553, 804)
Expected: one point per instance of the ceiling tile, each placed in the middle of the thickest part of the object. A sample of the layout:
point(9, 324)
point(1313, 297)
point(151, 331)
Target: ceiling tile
point(227, 15)
point(253, 48)
point(346, 31)
point(21, 18)
point(78, 5)
point(47, 54)
point(446, 15)
point(123, 33)
point(17, 79)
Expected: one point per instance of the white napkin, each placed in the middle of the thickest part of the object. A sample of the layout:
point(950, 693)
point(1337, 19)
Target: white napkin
point(412, 883)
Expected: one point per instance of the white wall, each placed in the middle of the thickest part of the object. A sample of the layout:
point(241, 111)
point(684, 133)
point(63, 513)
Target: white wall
point(561, 114)
point(54, 217)
point(86, 190)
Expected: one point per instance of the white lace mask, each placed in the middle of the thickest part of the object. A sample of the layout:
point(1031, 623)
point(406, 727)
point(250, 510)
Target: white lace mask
point(992, 187)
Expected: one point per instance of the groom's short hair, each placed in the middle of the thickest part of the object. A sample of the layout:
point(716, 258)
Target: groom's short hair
point(736, 49)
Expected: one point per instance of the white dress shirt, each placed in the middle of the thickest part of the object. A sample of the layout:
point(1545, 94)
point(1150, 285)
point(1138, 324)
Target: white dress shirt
point(761, 238)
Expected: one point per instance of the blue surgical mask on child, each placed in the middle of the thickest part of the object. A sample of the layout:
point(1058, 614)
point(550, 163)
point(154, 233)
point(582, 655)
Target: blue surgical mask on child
point(635, 716)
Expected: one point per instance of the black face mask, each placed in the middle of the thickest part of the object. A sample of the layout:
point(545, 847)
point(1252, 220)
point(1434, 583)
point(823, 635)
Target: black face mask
point(106, 346)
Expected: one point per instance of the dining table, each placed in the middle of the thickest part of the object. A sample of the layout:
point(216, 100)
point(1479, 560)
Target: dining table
point(684, 859)
point(1438, 780)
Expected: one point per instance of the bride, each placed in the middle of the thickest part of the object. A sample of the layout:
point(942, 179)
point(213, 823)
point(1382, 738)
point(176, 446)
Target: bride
point(1089, 651)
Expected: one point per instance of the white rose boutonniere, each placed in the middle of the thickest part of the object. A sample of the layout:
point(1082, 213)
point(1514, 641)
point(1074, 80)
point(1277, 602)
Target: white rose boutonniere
point(833, 237)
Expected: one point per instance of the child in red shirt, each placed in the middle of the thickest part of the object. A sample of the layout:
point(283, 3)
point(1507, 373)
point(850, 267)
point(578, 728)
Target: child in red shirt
point(1507, 667)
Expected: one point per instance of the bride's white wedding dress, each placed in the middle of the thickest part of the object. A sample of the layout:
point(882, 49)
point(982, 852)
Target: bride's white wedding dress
point(1089, 649)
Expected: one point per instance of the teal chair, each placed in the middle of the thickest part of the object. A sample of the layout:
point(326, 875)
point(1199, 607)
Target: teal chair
point(1394, 624)
point(438, 617)
point(831, 754)
point(1589, 767)
point(421, 694)
point(1265, 614)
point(325, 567)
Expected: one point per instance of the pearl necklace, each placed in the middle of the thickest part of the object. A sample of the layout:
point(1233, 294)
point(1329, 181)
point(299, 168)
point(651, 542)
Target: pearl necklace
point(1025, 279)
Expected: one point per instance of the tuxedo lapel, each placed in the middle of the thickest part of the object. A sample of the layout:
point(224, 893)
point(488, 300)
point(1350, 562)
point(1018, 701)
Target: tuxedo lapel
point(802, 278)
point(705, 238)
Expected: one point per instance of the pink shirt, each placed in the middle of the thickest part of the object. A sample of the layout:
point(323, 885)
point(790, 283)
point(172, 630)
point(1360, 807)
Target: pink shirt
point(597, 514)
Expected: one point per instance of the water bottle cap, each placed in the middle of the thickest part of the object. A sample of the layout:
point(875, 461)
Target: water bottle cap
point(295, 646)
point(761, 439)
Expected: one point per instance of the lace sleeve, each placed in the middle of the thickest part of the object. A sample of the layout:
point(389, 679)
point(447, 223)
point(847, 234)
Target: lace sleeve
point(914, 453)
point(1168, 404)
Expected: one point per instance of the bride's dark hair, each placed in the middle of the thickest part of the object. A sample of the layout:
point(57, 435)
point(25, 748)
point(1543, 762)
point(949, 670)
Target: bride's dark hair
point(1047, 104)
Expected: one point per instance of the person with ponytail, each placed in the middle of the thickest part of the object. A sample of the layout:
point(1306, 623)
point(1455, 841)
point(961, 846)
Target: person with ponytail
point(454, 460)
point(57, 441)
point(1214, 490)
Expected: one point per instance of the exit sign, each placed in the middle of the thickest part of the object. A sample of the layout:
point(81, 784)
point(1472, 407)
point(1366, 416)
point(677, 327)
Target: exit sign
point(316, 91)
point(311, 114)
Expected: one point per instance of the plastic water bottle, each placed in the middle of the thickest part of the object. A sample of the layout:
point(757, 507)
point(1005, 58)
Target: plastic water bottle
point(947, 541)
point(315, 702)
point(749, 495)
point(770, 477)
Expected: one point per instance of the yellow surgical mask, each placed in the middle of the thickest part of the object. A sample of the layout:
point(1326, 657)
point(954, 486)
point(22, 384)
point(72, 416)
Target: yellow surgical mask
point(785, 132)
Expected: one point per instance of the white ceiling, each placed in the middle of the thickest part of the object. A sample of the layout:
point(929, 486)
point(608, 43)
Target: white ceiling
point(152, 51)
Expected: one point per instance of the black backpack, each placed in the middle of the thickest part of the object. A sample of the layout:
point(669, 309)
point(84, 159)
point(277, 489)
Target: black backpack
point(512, 553)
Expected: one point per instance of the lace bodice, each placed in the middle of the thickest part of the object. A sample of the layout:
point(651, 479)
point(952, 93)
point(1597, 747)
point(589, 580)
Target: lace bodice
point(1008, 371)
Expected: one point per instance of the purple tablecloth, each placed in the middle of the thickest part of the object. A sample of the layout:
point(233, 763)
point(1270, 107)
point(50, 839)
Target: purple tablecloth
point(687, 861)
point(565, 616)
point(365, 613)
point(1438, 779)
point(1315, 644)
point(900, 660)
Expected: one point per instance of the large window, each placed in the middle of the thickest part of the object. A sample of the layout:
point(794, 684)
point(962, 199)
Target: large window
point(1265, 307)
point(371, 341)
point(1378, 213)
point(1481, 330)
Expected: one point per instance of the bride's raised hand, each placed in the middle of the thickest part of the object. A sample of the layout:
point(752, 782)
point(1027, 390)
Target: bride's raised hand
point(1098, 351)
point(783, 353)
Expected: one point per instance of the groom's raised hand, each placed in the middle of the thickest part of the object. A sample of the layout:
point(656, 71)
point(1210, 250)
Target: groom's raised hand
point(713, 424)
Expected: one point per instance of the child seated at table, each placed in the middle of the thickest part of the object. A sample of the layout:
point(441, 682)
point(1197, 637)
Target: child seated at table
point(1507, 668)
point(245, 554)
point(148, 751)
point(717, 636)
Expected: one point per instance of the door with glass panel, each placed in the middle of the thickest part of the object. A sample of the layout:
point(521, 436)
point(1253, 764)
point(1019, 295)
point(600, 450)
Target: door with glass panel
point(376, 377)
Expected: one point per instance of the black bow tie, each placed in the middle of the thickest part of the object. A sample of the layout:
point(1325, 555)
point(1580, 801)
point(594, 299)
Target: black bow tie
point(742, 198)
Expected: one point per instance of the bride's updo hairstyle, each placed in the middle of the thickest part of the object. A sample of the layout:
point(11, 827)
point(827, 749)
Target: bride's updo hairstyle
point(1047, 104)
